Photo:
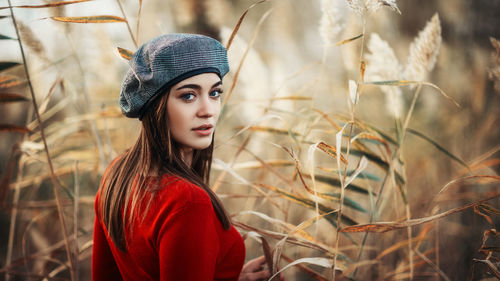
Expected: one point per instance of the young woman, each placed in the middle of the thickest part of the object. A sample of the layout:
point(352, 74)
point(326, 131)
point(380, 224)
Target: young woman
point(156, 216)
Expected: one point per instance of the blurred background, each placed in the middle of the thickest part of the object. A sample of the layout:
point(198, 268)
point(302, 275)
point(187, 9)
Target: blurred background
point(308, 80)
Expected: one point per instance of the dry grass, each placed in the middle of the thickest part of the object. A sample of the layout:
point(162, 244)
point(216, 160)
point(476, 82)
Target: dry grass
point(334, 172)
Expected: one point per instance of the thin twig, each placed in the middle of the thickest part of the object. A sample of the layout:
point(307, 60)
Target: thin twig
point(128, 24)
point(75, 218)
point(351, 129)
point(42, 133)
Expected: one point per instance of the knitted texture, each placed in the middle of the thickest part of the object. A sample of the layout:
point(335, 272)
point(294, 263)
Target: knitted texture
point(164, 61)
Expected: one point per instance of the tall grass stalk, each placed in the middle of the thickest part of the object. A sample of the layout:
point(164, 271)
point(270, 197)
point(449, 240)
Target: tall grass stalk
point(75, 219)
point(42, 133)
point(343, 176)
point(134, 39)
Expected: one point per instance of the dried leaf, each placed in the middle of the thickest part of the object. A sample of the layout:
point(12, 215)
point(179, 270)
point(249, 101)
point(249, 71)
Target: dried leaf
point(238, 24)
point(353, 92)
point(8, 97)
point(332, 214)
point(124, 53)
point(8, 81)
point(489, 209)
point(362, 70)
point(336, 183)
point(13, 128)
point(267, 253)
point(3, 37)
point(492, 268)
point(7, 64)
point(90, 19)
point(388, 226)
point(408, 82)
point(332, 151)
point(323, 262)
point(46, 100)
point(368, 136)
point(54, 4)
point(348, 40)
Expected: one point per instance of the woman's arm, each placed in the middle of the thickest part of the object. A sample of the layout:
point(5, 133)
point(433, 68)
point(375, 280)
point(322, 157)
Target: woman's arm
point(103, 263)
point(188, 244)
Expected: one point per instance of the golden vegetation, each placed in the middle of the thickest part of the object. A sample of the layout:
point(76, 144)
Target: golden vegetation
point(390, 195)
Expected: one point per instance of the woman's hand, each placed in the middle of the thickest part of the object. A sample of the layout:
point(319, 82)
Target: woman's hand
point(255, 270)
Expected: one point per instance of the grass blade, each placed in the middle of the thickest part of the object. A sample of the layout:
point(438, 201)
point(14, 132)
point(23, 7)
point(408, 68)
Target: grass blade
point(348, 40)
point(13, 128)
point(124, 53)
point(8, 81)
point(8, 97)
point(332, 151)
point(90, 19)
point(389, 226)
point(55, 4)
point(4, 37)
point(439, 147)
point(7, 64)
point(238, 24)
point(310, 204)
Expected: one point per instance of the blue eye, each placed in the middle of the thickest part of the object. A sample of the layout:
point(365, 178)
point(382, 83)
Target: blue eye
point(188, 97)
point(215, 93)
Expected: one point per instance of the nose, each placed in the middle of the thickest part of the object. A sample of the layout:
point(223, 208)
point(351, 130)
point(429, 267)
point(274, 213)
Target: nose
point(206, 107)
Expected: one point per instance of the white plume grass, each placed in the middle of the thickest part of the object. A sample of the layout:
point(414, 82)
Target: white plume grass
point(330, 26)
point(382, 64)
point(424, 51)
point(362, 7)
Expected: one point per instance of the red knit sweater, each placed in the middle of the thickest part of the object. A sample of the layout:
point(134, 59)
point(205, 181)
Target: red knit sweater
point(181, 238)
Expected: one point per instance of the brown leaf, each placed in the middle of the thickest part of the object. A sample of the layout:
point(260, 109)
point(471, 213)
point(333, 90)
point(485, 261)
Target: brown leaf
point(55, 4)
point(124, 53)
point(388, 226)
point(8, 97)
point(493, 269)
point(348, 40)
point(362, 71)
point(90, 19)
point(332, 151)
point(268, 254)
point(8, 81)
point(13, 128)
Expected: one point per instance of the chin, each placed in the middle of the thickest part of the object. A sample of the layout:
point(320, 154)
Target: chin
point(200, 145)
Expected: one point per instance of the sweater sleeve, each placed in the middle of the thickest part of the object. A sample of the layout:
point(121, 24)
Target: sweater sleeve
point(104, 267)
point(188, 244)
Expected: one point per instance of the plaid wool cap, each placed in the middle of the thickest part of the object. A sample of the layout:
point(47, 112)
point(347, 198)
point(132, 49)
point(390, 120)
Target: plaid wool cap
point(164, 61)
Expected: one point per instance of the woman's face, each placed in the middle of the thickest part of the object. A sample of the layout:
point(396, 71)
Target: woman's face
point(193, 107)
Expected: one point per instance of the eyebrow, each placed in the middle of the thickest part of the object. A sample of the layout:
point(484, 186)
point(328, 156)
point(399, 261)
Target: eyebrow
point(196, 86)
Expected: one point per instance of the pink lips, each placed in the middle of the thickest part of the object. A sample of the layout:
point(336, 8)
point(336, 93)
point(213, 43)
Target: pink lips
point(204, 130)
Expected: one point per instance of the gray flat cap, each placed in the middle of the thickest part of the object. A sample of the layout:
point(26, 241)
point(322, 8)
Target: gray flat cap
point(164, 61)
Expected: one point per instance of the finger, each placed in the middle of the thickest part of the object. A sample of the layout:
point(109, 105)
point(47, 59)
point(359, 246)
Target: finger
point(259, 275)
point(254, 265)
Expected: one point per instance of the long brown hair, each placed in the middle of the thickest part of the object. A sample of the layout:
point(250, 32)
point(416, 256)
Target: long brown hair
point(155, 153)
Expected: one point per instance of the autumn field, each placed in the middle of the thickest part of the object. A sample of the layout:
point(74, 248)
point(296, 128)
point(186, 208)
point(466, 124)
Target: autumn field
point(358, 139)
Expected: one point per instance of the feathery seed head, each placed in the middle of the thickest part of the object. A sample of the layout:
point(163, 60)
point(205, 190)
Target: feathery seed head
point(424, 51)
point(329, 27)
point(382, 64)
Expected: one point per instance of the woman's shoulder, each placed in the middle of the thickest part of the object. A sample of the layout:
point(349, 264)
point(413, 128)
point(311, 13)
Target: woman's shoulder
point(180, 191)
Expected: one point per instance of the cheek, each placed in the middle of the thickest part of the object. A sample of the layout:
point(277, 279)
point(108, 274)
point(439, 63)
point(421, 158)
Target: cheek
point(176, 119)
